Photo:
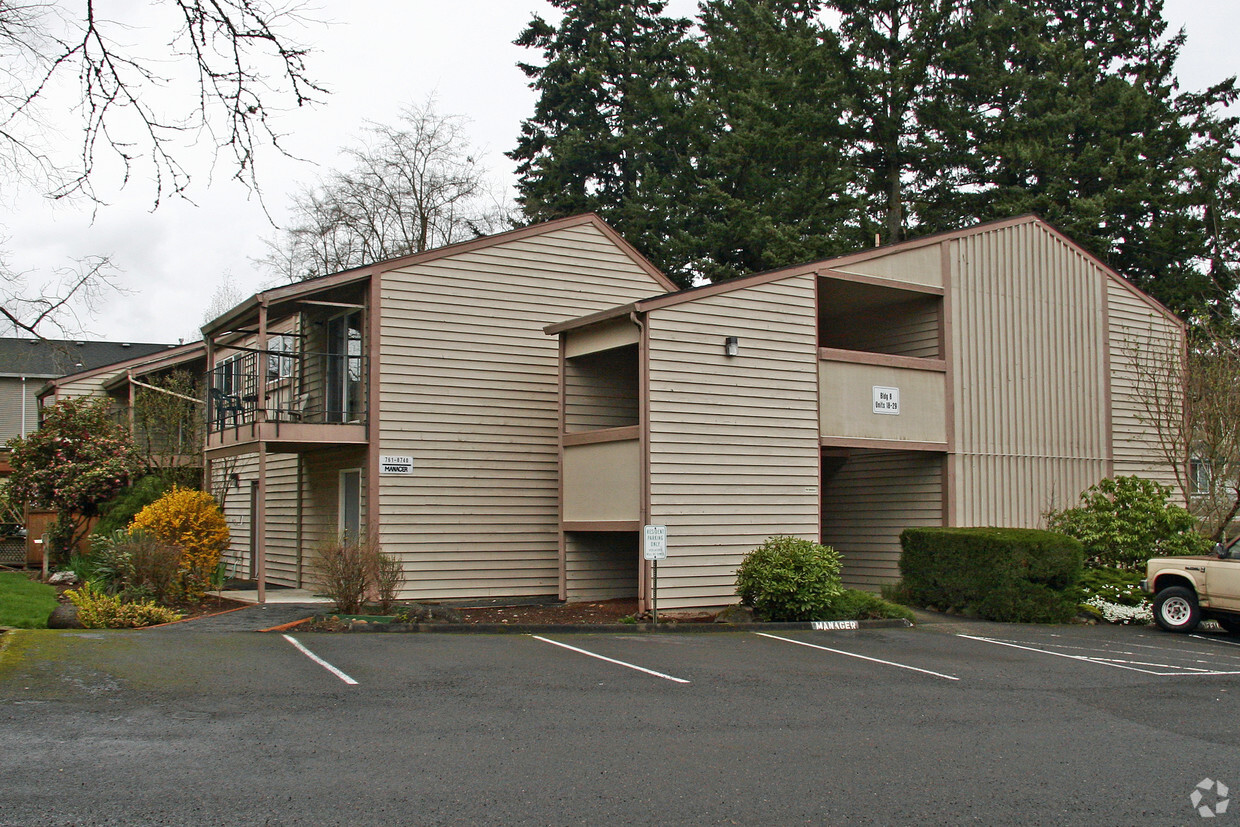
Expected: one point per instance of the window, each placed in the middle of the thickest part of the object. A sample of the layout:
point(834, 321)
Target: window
point(1199, 476)
point(279, 365)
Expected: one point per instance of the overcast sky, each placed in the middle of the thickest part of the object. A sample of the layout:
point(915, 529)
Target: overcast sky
point(375, 56)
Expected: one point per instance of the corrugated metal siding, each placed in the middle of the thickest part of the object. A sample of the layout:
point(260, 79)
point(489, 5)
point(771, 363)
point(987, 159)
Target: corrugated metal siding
point(601, 565)
point(1146, 346)
point(1029, 328)
point(734, 450)
point(872, 498)
point(469, 389)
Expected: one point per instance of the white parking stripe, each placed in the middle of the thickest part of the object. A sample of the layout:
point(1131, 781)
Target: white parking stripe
point(1215, 640)
point(610, 660)
point(861, 657)
point(320, 661)
point(1181, 671)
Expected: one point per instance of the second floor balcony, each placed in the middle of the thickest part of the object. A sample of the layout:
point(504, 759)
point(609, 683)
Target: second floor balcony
point(282, 395)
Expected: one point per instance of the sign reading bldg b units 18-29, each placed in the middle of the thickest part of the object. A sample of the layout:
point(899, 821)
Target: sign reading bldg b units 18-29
point(886, 400)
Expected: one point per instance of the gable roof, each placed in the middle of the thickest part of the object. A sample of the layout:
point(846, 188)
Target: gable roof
point(50, 358)
point(170, 356)
point(815, 267)
point(326, 282)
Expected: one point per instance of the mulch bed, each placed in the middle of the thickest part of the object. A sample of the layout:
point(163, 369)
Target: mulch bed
point(585, 613)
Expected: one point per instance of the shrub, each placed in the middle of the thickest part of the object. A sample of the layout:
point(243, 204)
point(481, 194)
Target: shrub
point(1115, 595)
point(388, 575)
point(1006, 574)
point(1125, 521)
point(99, 610)
point(119, 512)
point(191, 520)
point(853, 604)
point(789, 578)
point(344, 573)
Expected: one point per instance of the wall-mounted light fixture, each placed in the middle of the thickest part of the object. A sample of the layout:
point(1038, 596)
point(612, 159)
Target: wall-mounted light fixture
point(731, 346)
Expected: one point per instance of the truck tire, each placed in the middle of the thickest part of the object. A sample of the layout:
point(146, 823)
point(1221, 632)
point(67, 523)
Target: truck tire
point(1175, 609)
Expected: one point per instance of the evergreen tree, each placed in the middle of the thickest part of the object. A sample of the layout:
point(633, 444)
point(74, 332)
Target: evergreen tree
point(608, 133)
point(772, 182)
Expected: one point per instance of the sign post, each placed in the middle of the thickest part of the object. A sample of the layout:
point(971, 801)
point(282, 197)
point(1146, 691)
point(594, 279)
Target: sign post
point(654, 548)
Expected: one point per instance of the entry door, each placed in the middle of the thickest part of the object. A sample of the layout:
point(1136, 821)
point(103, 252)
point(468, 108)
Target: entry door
point(351, 505)
point(344, 367)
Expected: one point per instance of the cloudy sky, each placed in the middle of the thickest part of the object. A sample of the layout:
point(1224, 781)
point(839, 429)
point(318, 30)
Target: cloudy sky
point(375, 56)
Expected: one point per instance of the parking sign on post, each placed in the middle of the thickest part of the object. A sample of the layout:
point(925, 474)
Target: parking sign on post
point(654, 548)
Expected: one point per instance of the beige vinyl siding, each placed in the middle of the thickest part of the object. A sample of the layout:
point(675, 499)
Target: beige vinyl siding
point(12, 391)
point(1028, 335)
point(601, 565)
point(1146, 348)
point(282, 519)
point(920, 265)
point(321, 501)
point(734, 447)
point(906, 328)
point(469, 389)
point(872, 498)
point(601, 390)
point(236, 509)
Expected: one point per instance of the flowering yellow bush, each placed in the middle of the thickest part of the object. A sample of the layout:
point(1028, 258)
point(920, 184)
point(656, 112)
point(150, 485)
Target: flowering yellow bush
point(191, 520)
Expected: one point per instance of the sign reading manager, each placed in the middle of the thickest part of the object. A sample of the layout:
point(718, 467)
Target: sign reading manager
point(396, 464)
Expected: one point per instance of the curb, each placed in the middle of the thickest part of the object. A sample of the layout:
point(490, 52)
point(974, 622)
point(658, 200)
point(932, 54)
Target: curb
point(623, 628)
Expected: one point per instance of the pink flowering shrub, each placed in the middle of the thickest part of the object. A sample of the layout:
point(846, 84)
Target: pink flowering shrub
point(78, 459)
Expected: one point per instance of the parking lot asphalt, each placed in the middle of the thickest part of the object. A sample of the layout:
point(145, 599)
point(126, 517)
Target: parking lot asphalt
point(950, 723)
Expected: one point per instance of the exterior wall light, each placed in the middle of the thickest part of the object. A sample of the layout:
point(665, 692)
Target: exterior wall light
point(731, 346)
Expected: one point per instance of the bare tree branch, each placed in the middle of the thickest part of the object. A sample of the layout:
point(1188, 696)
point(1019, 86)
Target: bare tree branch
point(55, 304)
point(413, 186)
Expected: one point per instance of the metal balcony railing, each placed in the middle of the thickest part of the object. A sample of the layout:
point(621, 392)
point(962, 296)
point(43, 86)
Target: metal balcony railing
point(307, 388)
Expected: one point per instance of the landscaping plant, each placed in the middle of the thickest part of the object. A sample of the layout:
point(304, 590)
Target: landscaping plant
point(77, 459)
point(99, 610)
point(1115, 596)
point(191, 521)
point(349, 572)
point(1018, 575)
point(1125, 521)
point(789, 578)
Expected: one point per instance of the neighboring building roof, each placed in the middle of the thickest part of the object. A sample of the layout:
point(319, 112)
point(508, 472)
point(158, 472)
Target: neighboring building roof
point(50, 358)
point(170, 356)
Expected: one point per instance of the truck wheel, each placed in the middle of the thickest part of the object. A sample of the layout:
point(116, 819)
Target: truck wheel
point(1231, 625)
point(1175, 609)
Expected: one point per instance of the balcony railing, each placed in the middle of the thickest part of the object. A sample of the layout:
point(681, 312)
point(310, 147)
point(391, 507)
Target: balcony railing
point(304, 388)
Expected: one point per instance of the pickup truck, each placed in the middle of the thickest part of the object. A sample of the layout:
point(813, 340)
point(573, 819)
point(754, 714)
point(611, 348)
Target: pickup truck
point(1188, 590)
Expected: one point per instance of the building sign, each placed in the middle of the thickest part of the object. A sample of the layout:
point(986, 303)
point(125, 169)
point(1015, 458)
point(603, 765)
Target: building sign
point(654, 542)
point(398, 464)
point(886, 400)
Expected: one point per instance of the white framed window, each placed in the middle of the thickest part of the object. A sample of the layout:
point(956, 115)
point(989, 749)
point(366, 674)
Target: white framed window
point(279, 357)
point(1200, 476)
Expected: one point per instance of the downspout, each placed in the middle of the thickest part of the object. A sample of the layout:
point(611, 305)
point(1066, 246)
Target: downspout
point(643, 452)
point(23, 407)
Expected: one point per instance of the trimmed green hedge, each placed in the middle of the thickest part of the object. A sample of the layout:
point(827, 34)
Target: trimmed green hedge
point(1019, 575)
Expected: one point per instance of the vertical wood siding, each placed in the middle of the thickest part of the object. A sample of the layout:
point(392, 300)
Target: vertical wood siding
point(1145, 347)
point(601, 565)
point(734, 446)
point(872, 498)
point(1029, 335)
point(469, 388)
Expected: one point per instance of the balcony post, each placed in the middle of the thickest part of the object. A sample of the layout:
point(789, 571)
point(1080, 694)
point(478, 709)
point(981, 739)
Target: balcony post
point(261, 367)
point(260, 506)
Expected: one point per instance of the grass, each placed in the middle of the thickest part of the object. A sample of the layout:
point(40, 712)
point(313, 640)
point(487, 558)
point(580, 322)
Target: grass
point(23, 602)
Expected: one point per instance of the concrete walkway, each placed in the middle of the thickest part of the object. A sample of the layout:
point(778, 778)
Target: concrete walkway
point(248, 619)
